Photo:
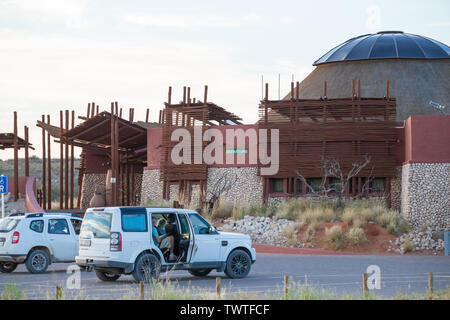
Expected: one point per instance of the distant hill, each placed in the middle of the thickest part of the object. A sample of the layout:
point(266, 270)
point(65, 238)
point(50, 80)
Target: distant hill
point(7, 169)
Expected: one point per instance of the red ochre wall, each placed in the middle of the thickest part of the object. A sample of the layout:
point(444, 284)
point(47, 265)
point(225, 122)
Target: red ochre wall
point(427, 139)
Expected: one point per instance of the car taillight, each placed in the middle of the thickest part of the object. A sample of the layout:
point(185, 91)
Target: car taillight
point(115, 241)
point(15, 237)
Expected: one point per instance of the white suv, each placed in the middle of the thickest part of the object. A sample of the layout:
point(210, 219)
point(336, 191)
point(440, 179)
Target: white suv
point(119, 240)
point(38, 240)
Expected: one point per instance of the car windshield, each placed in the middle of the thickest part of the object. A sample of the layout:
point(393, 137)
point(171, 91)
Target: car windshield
point(98, 222)
point(8, 224)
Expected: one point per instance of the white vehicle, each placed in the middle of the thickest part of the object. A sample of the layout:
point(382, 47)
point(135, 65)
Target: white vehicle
point(119, 240)
point(38, 240)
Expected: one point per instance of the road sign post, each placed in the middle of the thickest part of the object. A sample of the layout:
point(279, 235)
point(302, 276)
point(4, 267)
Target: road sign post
point(3, 190)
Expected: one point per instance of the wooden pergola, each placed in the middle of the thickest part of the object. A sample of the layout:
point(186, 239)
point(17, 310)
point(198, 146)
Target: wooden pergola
point(124, 141)
point(13, 141)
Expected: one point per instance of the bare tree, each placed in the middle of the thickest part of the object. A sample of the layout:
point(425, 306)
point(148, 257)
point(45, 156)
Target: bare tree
point(331, 168)
point(221, 186)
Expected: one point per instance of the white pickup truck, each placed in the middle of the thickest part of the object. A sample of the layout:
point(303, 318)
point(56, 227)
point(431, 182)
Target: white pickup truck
point(120, 240)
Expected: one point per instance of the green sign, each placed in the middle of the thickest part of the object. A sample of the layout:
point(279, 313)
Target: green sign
point(236, 151)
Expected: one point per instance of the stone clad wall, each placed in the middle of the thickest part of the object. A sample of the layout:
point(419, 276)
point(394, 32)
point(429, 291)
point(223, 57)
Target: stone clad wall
point(90, 181)
point(247, 189)
point(426, 194)
point(396, 190)
point(152, 187)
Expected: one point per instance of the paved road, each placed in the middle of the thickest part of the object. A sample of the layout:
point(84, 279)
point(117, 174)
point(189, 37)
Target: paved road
point(337, 274)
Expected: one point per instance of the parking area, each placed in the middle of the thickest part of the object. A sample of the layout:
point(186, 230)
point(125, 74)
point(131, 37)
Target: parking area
point(338, 275)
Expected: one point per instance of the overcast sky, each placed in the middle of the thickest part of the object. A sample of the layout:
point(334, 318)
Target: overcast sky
point(62, 54)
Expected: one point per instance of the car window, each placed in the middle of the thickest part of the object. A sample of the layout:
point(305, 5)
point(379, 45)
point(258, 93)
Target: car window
point(134, 219)
point(58, 226)
point(184, 225)
point(37, 225)
point(198, 223)
point(97, 222)
point(8, 224)
point(76, 224)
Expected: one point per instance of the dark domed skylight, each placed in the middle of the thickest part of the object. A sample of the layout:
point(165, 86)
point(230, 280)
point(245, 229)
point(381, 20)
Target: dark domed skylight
point(387, 45)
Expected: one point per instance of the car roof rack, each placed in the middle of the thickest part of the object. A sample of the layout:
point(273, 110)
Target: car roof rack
point(41, 214)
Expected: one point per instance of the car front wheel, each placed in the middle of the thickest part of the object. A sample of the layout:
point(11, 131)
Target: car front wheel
point(238, 264)
point(37, 261)
point(7, 267)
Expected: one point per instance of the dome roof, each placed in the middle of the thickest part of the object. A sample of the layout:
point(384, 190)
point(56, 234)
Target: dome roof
point(387, 45)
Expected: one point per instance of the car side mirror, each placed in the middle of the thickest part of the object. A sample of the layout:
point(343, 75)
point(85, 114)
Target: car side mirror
point(212, 230)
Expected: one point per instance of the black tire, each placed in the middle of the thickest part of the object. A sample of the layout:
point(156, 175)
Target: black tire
point(238, 264)
point(146, 268)
point(106, 276)
point(37, 261)
point(7, 267)
point(200, 272)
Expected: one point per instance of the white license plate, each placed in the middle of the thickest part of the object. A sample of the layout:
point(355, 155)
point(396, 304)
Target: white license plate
point(85, 242)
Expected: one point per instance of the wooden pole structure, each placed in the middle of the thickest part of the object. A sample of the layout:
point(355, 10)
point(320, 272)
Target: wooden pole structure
point(16, 160)
point(61, 160)
point(88, 111)
point(141, 290)
point(43, 182)
point(112, 154)
point(72, 169)
point(66, 165)
point(365, 288)
point(184, 95)
point(146, 115)
point(27, 163)
point(117, 161)
point(49, 169)
point(218, 287)
point(58, 293)
point(286, 287)
point(96, 110)
point(133, 186)
point(93, 110)
point(430, 282)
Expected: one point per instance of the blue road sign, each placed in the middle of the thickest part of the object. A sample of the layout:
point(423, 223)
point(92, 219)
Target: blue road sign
point(3, 184)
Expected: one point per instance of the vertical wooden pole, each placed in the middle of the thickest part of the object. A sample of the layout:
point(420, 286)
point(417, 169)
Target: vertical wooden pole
point(292, 90)
point(430, 282)
point(72, 169)
point(141, 290)
point(16, 160)
point(169, 98)
point(218, 289)
point(61, 160)
point(113, 154)
point(184, 95)
point(133, 187)
point(146, 115)
point(27, 163)
point(116, 108)
point(96, 112)
point(117, 158)
point(93, 110)
point(43, 181)
point(297, 89)
point(88, 111)
point(66, 165)
point(189, 95)
point(58, 293)
point(286, 287)
point(49, 168)
point(365, 288)
point(205, 96)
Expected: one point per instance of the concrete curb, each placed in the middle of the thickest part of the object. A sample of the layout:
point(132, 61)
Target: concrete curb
point(265, 248)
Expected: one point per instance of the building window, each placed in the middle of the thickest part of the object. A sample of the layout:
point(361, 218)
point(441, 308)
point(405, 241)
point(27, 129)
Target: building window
point(277, 185)
point(299, 186)
point(378, 185)
point(314, 183)
point(336, 185)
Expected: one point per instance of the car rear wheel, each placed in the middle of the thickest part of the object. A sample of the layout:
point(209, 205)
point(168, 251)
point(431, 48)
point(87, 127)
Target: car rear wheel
point(147, 267)
point(37, 261)
point(200, 272)
point(238, 264)
point(7, 267)
point(106, 276)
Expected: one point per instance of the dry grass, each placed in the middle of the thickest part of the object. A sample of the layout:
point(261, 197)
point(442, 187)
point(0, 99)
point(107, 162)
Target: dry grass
point(407, 246)
point(356, 236)
point(309, 234)
point(335, 236)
